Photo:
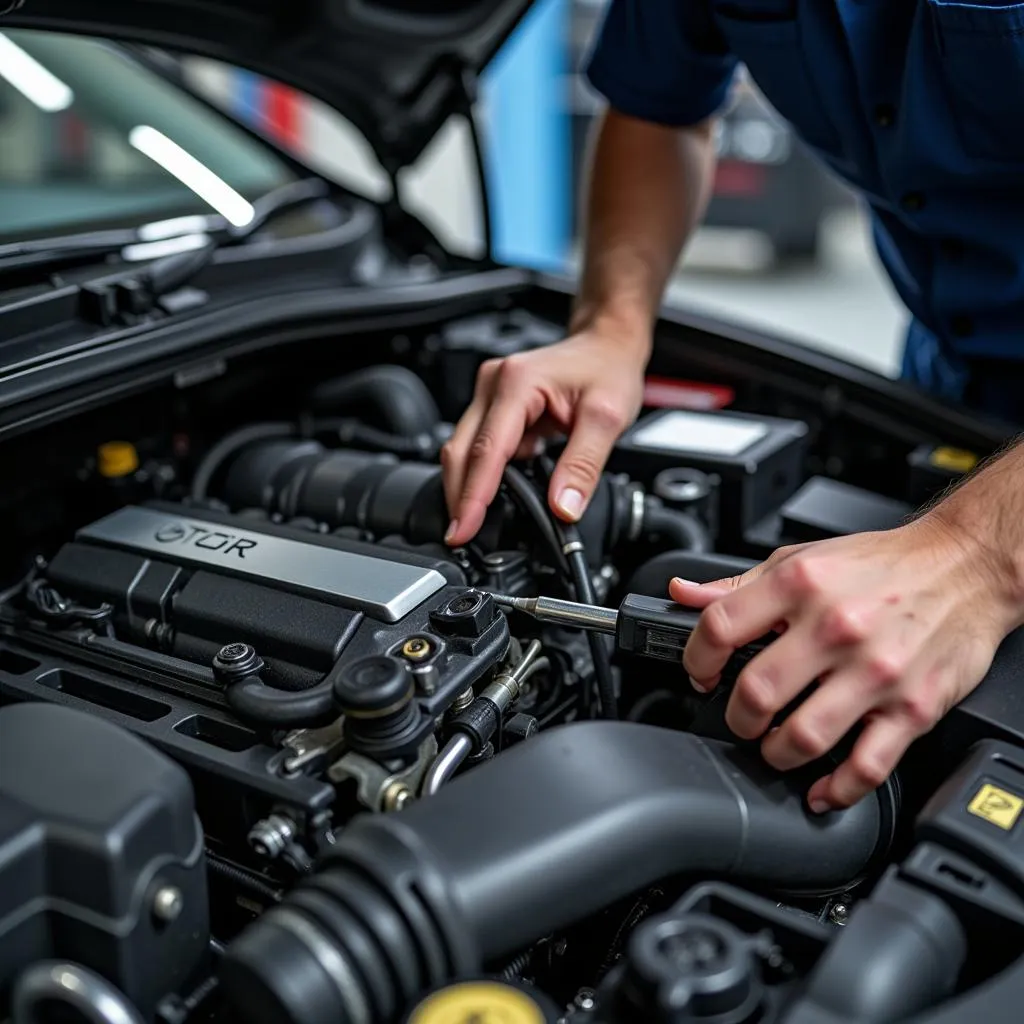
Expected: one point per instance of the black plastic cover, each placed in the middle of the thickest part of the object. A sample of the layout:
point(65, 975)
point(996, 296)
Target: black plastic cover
point(756, 476)
point(550, 832)
point(93, 824)
point(825, 508)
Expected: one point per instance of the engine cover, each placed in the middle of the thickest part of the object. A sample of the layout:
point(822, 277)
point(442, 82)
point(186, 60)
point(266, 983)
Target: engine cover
point(138, 616)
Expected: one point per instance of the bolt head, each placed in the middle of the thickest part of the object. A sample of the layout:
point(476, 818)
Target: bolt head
point(168, 903)
point(231, 653)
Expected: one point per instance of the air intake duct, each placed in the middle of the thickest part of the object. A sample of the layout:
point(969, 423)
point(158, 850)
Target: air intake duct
point(547, 834)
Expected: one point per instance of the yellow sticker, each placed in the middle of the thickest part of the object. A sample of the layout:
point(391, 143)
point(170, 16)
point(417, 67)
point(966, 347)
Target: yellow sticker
point(997, 806)
point(955, 460)
point(478, 1002)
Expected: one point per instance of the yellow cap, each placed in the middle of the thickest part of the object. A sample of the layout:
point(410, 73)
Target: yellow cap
point(117, 458)
point(954, 460)
point(482, 1002)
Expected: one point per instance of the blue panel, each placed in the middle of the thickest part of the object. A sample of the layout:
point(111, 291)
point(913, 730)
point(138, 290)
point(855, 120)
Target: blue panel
point(246, 95)
point(528, 141)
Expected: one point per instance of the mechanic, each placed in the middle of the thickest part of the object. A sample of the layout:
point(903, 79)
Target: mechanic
point(916, 103)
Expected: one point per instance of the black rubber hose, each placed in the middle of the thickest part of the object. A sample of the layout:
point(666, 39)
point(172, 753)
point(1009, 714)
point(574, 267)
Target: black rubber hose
point(901, 953)
point(398, 396)
point(543, 837)
point(231, 444)
point(679, 530)
point(258, 704)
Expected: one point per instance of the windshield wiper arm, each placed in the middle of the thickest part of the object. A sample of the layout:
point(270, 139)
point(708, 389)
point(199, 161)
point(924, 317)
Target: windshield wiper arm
point(24, 262)
point(169, 273)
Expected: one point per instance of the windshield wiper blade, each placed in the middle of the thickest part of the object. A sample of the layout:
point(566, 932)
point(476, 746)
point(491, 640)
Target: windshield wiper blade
point(24, 262)
point(169, 273)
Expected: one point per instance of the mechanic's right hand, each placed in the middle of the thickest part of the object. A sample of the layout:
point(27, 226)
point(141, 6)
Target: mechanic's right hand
point(589, 386)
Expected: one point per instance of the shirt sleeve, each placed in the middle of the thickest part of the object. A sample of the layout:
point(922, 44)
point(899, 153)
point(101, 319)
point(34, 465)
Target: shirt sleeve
point(662, 60)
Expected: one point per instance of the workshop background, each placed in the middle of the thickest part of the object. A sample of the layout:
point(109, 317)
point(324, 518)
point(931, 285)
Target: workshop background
point(785, 247)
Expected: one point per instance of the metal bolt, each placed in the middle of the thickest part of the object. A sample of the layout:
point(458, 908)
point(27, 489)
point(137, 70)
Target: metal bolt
point(168, 903)
point(462, 701)
point(396, 797)
point(839, 914)
point(584, 999)
point(416, 648)
point(271, 836)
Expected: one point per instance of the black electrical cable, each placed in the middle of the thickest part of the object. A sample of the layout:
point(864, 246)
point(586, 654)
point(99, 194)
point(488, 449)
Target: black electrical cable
point(571, 545)
point(525, 496)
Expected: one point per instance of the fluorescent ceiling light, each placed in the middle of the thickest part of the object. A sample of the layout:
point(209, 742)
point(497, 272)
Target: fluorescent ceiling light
point(234, 208)
point(32, 80)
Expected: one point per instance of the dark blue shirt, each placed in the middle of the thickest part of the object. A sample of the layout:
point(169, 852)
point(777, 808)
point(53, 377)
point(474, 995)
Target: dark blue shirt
point(917, 103)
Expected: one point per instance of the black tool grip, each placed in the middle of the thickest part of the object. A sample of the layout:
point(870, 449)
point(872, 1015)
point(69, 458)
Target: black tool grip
point(655, 627)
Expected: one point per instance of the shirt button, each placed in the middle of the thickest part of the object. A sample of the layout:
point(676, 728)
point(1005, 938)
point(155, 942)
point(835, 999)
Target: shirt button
point(961, 325)
point(885, 115)
point(912, 202)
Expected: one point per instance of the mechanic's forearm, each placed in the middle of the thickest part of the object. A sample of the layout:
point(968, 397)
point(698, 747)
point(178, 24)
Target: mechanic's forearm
point(986, 512)
point(649, 186)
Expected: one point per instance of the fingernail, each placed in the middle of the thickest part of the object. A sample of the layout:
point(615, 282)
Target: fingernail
point(570, 501)
point(684, 583)
point(452, 528)
point(818, 807)
point(697, 686)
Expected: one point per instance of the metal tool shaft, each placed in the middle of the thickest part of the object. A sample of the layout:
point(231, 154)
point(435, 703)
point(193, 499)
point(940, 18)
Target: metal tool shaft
point(573, 614)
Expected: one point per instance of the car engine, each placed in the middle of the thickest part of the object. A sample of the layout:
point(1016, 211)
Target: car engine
point(270, 751)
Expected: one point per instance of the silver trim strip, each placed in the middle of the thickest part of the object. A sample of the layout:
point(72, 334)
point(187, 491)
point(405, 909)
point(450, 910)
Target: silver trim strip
point(381, 588)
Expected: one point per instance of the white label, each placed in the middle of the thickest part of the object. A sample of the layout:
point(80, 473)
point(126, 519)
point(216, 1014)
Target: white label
point(700, 433)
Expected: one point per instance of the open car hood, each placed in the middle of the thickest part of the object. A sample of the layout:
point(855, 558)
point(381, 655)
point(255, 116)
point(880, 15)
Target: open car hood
point(398, 69)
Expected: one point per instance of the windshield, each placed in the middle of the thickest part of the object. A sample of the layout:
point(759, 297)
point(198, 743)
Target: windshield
point(92, 139)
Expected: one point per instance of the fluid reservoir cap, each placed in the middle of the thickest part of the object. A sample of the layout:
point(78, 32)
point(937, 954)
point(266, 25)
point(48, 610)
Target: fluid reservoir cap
point(374, 687)
point(117, 458)
point(693, 966)
point(483, 1002)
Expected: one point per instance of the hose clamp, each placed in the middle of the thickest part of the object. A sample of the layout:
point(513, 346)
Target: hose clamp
point(637, 507)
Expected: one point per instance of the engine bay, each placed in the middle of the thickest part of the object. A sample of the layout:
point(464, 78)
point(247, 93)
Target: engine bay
point(270, 751)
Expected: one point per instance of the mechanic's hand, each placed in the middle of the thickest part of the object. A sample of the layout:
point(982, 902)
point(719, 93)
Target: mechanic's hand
point(896, 626)
point(589, 386)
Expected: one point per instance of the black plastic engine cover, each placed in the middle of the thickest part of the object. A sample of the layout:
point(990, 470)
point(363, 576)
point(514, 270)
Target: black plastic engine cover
point(185, 582)
point(101, 854)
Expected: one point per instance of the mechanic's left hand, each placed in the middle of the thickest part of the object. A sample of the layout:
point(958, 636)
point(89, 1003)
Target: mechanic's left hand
point(896, 626)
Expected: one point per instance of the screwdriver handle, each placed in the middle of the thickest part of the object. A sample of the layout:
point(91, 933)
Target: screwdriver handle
point(655, 627)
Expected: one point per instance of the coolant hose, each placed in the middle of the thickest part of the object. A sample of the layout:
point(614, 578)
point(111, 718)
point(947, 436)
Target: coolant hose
point(678, 529)
point(543, 836)
point(401, 400)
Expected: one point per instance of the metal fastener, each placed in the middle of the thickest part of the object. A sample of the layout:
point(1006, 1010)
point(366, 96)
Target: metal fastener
point(416, 648)
point(839, 914)
point(271, 836)
point(462, 701)
point(168, 903)
point(396, 797)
